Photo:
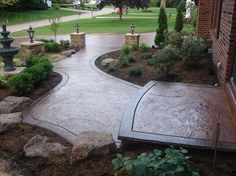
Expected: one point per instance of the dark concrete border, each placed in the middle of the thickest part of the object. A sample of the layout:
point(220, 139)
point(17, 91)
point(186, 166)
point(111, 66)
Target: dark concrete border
point(59, 130)
point(126, 131)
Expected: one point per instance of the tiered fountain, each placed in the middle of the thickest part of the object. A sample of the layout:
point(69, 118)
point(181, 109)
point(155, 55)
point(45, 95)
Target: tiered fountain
point(7, 52)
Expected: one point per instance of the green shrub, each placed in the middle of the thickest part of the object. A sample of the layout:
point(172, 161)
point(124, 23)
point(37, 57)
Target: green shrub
point(65, 44)
point(111, 69)
point(165, 60)
point(3, 82)
point(192, 50)
point(32, 60)
point(162, 28)
point(151, 62)
point(52, 47)
point(135, 71)
point(134, 47)
point(125, 50)
point(182, 5)
point(175, 39)
point(123, 61)
point(144, 47)
point(146, 56)
point(55, 6)
point(171, 162)
point(22, 82)
point(130, 59)
point(179, 22)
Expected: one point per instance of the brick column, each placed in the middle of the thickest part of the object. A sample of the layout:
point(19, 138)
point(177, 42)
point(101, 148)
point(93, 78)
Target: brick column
point(204, 19)
point(36, 48)
point(78, 40)
point(131, 39)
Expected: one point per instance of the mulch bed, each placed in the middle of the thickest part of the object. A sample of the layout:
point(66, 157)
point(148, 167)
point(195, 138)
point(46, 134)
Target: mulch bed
point(203, 74)
point(53, 80)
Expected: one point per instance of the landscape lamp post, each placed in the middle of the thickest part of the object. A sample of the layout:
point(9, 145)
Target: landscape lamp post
point(31, 34)
point(77, 27)
point(132, 27)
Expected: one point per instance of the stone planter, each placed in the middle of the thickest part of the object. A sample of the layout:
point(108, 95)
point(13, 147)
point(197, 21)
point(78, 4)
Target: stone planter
point(78, 40)
point(36, 48)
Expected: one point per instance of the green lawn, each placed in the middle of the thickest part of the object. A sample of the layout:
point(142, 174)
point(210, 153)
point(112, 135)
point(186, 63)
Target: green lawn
point(32, 15)
point(110, 25)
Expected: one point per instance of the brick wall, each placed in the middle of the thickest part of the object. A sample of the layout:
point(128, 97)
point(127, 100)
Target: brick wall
point(224, 43)
point(204, 22)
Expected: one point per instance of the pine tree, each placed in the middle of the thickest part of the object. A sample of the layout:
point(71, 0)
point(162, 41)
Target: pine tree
point(162, 27)
point(179, 21)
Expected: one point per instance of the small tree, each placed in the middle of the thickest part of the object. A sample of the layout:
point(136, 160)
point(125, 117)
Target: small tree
point(162, 27)
point(179, 23)
point(54, 26)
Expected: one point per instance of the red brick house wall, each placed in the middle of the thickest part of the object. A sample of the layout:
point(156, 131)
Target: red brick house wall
point(217, 20)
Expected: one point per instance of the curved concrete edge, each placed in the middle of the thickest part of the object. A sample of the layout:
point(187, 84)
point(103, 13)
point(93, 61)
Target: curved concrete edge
point(127, 133)
point(93, 65)
point(59, 130)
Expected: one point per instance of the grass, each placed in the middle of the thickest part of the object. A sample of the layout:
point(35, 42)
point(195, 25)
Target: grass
point(31, 15)
point(113, 25)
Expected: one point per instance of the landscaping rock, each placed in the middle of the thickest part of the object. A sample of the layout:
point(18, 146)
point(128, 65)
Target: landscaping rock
point(13, 104)
point(38, 146)
point(9, 121)
point(68, 53)
point(92, 143)
point(109, 61)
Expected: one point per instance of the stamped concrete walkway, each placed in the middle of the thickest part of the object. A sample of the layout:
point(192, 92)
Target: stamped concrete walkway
point(35, 24)
point(87, 99)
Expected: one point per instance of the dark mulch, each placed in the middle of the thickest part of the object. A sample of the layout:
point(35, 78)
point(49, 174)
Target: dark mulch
point(203, 74)
point(53, 80)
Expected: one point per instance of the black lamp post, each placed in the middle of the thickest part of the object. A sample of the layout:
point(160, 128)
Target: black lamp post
point(77, 28)
point(132, 27)
point(31, 34)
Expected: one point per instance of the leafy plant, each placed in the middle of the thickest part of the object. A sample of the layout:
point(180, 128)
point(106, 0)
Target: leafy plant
point(175, 39)
point(135, 71)
point(52, 47)
point(32, 60)
point(171, 162)
point(55, 22)
point(165, 60)
point(144, 47)
point(192, 50)
point(151, 62)
point(125, 50)
point(130, 59)
point(134, 47)
point(65, 44)
point(179, 22)
point(146, 56)
point(3, 82)
point(111, 69)
point(123, 61)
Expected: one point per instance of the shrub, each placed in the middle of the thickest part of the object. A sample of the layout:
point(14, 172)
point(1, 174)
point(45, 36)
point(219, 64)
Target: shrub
point(52, 47)
point(170, 162)
point(182, 5)
point(22, 82)
point(146, 56)
point(179, 22)
point(125, 50)
point(130, 59)
point(134, 47)
point(65, 44)
point(111, 69)
point(55, 6)
point(144, 47)
point(192, 50)
point(175, 39)
point(135, 71)
point(162, 27)
point(123, 61)
point(3, 82)
point(151, 62)
point(38, 70)
point(165, 60)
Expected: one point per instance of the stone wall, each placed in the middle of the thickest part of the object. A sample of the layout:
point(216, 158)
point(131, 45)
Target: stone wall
point(36, 48)
point(78, 40)
point(132, 39)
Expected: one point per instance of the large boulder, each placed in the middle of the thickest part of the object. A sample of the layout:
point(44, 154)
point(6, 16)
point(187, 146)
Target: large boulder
point(92, 143)
point(9, 121)
point(13, 104)
point(109, 61)
point(68, 53)
point(38, 146)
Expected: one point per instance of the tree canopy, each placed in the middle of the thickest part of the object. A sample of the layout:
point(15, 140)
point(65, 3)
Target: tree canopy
point(5, 3)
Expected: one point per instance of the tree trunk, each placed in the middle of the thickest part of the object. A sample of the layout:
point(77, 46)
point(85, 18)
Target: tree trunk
point(163, 3)
point(121, 12)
